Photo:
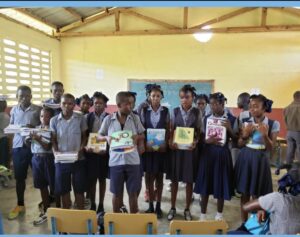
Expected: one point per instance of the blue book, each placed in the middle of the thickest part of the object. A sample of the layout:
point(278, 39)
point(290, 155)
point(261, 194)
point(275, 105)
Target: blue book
point(156, 138)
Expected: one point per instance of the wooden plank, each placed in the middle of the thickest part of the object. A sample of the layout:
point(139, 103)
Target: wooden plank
point(264, 16)
point(117, 21)
point(151, 19)
point(40, 19)
point(185, 17)
point(225, 17)
point(290, 10)
point(74, 13)
point(98, 16)
point(247, 29)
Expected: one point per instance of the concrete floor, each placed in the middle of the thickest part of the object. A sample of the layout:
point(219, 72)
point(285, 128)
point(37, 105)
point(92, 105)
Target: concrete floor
point(23, 225)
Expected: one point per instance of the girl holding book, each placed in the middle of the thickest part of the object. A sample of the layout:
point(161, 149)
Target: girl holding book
point(215, 175)
point(257, 139)
point(155, 116)
point(183, 165)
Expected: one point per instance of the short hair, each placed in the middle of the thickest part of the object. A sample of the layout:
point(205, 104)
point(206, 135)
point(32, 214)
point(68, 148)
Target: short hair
point(244, 95)
point(133, 95)
point(100, 95)
point(57, 83)
point(24, 88)
point(48, 110)
point(83, 97)
point(188, 88)
point(267, 104)
point(122, 97)
point(218, 96)
point(297, 95)
point(202, 97)
point(68, 96)
point(3, 105)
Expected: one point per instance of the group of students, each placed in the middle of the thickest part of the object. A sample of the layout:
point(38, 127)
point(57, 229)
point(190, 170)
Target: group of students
point(206, 167)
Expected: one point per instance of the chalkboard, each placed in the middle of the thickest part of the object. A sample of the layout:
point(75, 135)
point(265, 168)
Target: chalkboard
point(170, 88)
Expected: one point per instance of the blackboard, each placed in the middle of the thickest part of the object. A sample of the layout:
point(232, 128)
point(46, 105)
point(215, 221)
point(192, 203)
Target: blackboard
point(170, 88)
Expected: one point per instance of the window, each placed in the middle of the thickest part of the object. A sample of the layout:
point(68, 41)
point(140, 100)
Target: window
point(21, 64)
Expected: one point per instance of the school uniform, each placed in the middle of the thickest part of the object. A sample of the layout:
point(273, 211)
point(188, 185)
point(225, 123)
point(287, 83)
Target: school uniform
point(97, 164)
point(68, 134)
point(4, 122)
point(43, 170)
point(183, 164)
point(123, 167)
point(215, 174)
point(252, 169)
point(155, 162)
point(21, 153)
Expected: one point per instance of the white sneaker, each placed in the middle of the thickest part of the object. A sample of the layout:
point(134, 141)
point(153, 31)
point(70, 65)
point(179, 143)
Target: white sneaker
point(219, 216)
point(202, 217)
point(182, 185)
point(168, 188)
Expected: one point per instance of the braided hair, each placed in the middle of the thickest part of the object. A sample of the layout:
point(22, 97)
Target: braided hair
point(153, 87)
point(201, 97)
point(267, 104)
point(83, 97)
point(218, 96)
point(188, 88)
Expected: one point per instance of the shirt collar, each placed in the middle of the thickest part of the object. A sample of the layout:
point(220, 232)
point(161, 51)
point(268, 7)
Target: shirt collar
point(159, 109)
point(183, 111)
point(74, 115)
point(27, 109)
point(114, 115)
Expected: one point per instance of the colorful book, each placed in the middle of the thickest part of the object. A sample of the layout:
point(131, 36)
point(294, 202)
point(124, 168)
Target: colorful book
point(122, 141)
point(214, 127)
point(95, 144)
point(184, 137)
point(156, 138)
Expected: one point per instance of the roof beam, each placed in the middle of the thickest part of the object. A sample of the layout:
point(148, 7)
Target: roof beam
point(185, 17)
point(40, 19)
point(100, 15)
point(117, 21)
point(225, 17)
point(151, 19)
point(74, 13)
point(264, 16)
point(244, 29)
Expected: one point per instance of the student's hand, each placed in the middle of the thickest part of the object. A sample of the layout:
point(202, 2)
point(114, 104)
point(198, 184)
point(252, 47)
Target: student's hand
point(214, 140)
point(263, 129)
point(193, 146)
point(109, 139)
point(173, 145)
point(247, 130)
point(135, 139)
point(88, 149)
point(261, 216)
point(35, 137)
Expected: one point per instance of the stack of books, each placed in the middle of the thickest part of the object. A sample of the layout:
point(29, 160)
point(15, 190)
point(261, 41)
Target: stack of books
point(12, 129)
point(52, 106)
point(156, 138)
point(66, 157)
point(184, 138)
point(122, 142)
point(214, 128)
point(95, 144)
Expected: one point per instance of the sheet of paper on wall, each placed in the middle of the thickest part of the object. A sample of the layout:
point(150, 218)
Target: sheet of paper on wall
point(184, 138)
point(214, 128)
point(95, 144)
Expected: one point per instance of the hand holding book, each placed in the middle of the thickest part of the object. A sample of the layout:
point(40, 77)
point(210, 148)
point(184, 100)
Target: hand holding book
point(214, 140)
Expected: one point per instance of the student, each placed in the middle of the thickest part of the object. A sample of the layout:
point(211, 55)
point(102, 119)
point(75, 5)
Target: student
point(25, 114)
point(57, 90)
point(215, 174)
point(283, 206)
point(4, 122)
point(69, 135)
point(184, 163)
point(145, 103)
point(292, 121)
point(43, 161)
point(155, 116)
point(84, 102)
point(257, 139)
point(124, 168)
point(202, 102)
point(97, 164)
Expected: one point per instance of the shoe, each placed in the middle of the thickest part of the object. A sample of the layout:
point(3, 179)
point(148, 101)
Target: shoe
point(41, 206)
point(187, 215)
point(182, 185)
point(219, 217)
point(146, 196)
point(159, 213)
point(123, 209)
point(93, 207)
point(18, 210)
point(41, 219)
point(202, 217)
point(149, 210)
point(100, 209)
point(171, 214)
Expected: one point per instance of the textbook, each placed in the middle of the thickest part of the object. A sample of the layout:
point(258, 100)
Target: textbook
point(66, 157)
point(12, 129)
point(122, 142)
point(52, 106)
point(156, 138)
point(95, 144)
point(184, 137)
point(214, 128)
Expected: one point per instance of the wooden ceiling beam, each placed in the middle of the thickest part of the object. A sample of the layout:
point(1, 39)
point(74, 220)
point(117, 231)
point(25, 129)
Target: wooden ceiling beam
point(224, 17)
point(117, 21)
point(244, 29)
point(264, 13)
point(151, 19)
point(98, 16)
point(74, 13)
point(185, 17)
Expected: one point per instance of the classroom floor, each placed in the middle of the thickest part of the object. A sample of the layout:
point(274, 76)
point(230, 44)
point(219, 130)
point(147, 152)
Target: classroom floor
point(24, 225)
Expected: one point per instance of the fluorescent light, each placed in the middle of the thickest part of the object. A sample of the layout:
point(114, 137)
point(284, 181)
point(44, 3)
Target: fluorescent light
point(203, 37)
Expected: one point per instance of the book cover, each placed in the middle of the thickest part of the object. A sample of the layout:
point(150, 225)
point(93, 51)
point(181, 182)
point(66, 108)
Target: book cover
point(156, 138)
point(214, 128)
point(256, 140)
point(95, 144)
point(122, 141)
point(184, 137)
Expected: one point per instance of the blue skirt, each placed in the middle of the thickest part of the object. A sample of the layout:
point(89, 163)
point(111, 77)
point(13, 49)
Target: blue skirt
point(215, 174)
point(154, 162)
point(253, 173)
